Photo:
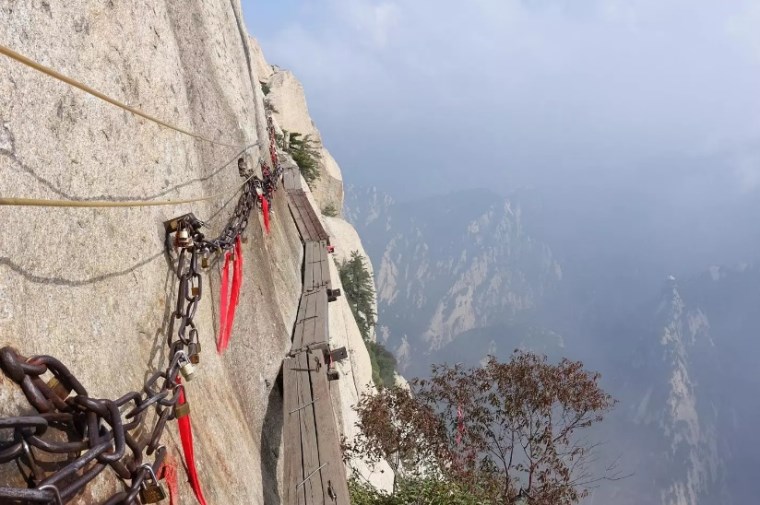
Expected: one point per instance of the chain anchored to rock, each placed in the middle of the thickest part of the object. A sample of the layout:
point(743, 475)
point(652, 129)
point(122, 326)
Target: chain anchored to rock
point(71, 437)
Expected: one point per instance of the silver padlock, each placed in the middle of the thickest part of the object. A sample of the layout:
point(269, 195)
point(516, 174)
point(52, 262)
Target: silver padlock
point(186, 368)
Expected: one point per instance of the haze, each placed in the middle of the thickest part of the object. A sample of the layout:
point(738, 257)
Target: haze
point(645, 101)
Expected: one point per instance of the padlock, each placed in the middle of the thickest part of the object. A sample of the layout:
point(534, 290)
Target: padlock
point(151, 490)
point(204, 260)
point(186, 368)
point(182, 238)
point(194, 352)
point(58, 388)
point(181, 410)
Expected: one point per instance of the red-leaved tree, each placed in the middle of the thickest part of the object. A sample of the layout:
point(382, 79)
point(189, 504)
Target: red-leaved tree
point(494, 429)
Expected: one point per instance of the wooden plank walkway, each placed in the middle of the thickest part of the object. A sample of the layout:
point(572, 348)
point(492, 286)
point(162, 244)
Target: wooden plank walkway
point(314, 470)
point(306, 218)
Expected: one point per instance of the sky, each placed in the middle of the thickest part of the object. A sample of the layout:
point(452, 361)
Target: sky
point(582, 102)
point(531, 89)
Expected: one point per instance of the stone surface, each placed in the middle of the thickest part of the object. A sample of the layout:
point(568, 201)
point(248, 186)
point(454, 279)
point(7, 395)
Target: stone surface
point(93, 286)
point(346, 241)
point(291, 113)
point(355, 381)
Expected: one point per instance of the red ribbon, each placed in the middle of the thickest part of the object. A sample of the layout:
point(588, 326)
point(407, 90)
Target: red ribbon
point(223, 304)
point(228, 301)
point(265, 211)
point(186, 436)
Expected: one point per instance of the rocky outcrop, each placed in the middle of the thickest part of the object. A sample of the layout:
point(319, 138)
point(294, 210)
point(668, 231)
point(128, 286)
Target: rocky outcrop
point(287, 101)
point(453, 267)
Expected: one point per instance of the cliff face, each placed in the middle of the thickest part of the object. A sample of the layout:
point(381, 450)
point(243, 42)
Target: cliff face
point(93, 287)
point(290, 112)
point(457, 274)
point(287, 101)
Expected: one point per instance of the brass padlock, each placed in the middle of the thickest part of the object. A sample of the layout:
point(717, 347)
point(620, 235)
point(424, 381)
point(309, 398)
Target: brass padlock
point(58, 388)
point(151, 490)
point(194, 352)
point(204, 260)
point(182, 238)
point(186, 368)
point(181, 410)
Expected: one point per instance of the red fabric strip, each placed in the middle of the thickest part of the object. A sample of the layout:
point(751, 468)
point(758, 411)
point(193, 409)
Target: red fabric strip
point(223, 303)
point(237, 281)
point(265, 211)
point(186, 436)
point(169, 474)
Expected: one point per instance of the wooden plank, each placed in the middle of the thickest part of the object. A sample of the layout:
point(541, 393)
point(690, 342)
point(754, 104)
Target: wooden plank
point(325, 259)
point(309, 230)
point(321, 322)
point(308, 268)
point(317, 264)
point(298, 328)
point(333, 473)
point(311, 483)
point(310, 320)
point(296, 214)
point(317, 230)
point(292, 433)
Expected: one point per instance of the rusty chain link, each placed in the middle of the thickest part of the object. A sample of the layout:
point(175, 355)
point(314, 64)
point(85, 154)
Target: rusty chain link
point(80, 436)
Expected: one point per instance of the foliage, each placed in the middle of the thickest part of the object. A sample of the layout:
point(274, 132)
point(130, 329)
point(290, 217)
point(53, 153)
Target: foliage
point(330, 210)
point(492, 429)
point(418, 491)
point(303, 149)
point(357, 287)
point(269, 107)
point(383, 364)
point(265, 88)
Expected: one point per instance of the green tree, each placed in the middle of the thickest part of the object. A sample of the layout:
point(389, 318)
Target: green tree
point(304, 151)
point(358, 290)
point(330, 210)
point(383, 364)
point(417, 491)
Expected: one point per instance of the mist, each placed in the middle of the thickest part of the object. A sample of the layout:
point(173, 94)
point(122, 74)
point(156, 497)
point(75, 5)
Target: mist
point(637, 116)
point(628, 133)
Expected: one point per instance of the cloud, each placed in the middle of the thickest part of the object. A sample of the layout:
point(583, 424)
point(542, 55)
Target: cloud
point(528, 91)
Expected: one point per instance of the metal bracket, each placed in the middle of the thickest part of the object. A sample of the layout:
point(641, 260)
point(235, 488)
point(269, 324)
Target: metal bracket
point(172, 225)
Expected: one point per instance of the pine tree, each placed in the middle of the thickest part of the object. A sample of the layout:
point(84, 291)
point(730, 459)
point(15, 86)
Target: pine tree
point(357, 286)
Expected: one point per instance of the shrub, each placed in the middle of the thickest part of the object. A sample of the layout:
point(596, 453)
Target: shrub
point(383, 364)
point(421, 491)
point(303, 150)
point(357, 287)
point(492, 430)
point(330, 210)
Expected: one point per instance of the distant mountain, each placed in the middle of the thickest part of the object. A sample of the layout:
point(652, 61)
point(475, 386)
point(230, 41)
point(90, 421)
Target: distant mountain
point(460, 276)
point(685, 373)
point(454, 273)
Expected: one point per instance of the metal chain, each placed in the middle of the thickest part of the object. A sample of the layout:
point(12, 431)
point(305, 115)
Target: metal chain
point(86, 435)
